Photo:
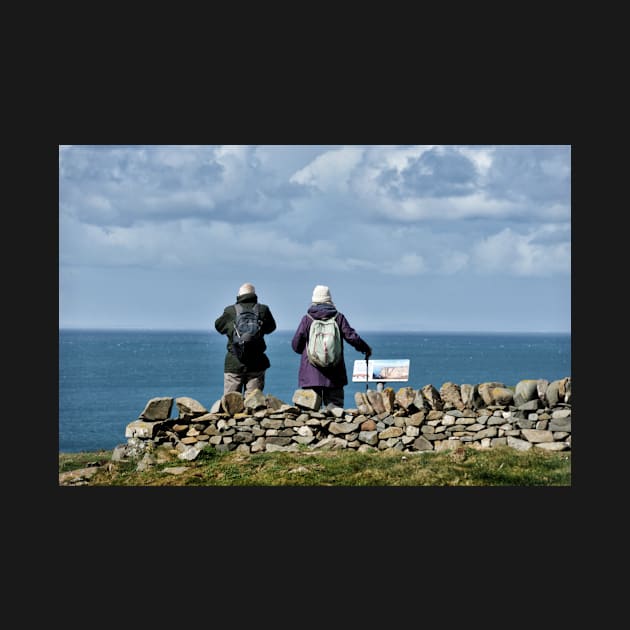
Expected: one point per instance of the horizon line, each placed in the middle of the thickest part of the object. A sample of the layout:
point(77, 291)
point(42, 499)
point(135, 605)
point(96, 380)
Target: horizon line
point(290, 330)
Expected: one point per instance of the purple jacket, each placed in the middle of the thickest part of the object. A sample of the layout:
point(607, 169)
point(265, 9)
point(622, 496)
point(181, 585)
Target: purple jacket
point(310, 375)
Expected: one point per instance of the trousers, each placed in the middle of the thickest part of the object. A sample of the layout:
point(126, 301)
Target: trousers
point(243, 383)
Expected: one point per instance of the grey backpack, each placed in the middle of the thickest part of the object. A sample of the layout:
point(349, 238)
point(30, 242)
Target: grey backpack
point(247, 337)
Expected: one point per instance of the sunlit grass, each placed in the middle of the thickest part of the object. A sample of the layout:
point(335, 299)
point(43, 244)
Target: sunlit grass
point(466, 466)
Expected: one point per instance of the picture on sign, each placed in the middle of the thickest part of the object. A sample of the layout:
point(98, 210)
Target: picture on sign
point(380, 370)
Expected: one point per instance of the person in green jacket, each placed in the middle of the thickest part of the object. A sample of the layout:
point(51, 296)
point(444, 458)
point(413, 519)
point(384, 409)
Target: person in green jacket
point(247, 374)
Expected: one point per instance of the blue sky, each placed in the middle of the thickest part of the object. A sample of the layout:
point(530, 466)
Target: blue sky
point(414, 237)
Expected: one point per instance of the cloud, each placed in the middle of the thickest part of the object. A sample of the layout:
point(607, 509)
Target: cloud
point(391, 211)
point(427, 183)
point(437, 172)
point(330, 171)
point(529, 254)
point(536, 174)
point(123, 186)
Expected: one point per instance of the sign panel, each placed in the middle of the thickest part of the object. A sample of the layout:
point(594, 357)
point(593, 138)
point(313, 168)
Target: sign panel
point(380, 370)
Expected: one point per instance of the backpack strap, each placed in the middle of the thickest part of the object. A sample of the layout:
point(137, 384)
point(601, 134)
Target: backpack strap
point(239, 309)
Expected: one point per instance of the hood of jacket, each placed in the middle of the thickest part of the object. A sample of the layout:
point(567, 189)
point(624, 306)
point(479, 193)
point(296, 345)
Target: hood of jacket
point(322, 311)
point(247, 298)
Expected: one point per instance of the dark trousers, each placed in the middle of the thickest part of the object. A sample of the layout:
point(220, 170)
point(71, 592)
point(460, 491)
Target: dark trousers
point(332, 395)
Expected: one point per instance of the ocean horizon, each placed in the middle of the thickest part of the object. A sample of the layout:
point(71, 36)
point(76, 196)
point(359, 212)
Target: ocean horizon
point(107, 375)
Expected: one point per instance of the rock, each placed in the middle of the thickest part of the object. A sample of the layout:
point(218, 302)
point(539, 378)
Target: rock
point(375, 400)
point(232, 403)
point(157, 409)
point(432, 396)
point(307, 399)
point(142, 429)
point(422, 444)
point(502, 396)
point(189, 407)
point(525, 391)
point(405, 397)
point(255, 400)
point(450, 393)
point(485, 391)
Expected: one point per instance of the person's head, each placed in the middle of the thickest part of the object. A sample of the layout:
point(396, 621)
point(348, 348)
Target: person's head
point(321, 295)
point(246, 288)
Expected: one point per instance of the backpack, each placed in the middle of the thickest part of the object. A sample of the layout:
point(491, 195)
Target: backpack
point(324, 342)
point(247, 338)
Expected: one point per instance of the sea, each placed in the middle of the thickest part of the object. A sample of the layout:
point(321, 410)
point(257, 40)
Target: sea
point(106, 377)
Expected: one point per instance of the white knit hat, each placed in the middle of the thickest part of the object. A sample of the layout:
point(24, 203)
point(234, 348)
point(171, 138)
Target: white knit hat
point(321, 295)
point(246, 288)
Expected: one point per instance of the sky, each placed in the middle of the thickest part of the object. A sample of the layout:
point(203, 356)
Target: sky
point(455, 238)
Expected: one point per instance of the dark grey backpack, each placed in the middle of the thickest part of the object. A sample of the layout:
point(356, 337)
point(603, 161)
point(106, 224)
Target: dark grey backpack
point(247, 337)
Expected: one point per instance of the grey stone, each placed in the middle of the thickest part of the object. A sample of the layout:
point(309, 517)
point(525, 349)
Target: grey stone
point(157, 409)
point(450, 394)
point(525, 391)
point(307, 399)
point(422, 444)
point(519, 445)
point(535, 435)
point(432, 396)
point(142, 429)
point(560, 424)
point(552, 446)
point(232, 403)
point(189, 406)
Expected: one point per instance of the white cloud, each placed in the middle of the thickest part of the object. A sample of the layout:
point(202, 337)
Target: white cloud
point(407, 265)
point(481, 158)
point(520, 254)
point(185, 206)
point(331, 170)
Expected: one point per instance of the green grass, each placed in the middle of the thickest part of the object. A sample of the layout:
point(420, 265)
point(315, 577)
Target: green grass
point(499, 466)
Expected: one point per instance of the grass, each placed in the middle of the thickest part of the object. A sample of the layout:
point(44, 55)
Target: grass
point(465, 466)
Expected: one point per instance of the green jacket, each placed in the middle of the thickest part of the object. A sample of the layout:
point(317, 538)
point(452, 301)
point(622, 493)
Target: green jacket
point(225, 326)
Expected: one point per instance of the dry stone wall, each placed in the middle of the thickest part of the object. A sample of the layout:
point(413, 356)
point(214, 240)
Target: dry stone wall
point(534, 414)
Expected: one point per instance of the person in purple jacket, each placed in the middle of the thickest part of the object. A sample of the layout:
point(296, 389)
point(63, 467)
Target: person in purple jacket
point(329, 382)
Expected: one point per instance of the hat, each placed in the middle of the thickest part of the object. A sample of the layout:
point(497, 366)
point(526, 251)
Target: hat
point(321, 295)
point(246, 288)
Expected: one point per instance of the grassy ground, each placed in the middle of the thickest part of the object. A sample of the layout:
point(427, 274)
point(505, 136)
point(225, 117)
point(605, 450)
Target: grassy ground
point(462, 467)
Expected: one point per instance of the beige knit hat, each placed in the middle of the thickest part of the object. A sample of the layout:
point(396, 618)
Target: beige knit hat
point(246, 288)
point(321, 295)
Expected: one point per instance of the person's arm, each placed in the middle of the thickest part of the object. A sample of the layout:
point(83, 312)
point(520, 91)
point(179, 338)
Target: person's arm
point(298, 343)
point(222, 323)
point(352, 336)
point(268, 322)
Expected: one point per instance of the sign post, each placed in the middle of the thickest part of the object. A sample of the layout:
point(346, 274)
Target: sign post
point(380, 371)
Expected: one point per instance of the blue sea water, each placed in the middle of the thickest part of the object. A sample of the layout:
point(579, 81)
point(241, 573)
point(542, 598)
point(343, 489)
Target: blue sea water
point(107, 377)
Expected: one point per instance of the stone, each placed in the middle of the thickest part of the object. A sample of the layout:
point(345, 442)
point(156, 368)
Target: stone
point(189, 406)
point(405, 397)
point(375, 400)
point(485, 391)
point(157, 409)
point(422, 444)
point(232, 403)
point(307, 399)
point(525, 391)
point(255, 400)
point(432, 396)
point(142, 429)
point(450, 393)
point(535, 435)
point(502, 396)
